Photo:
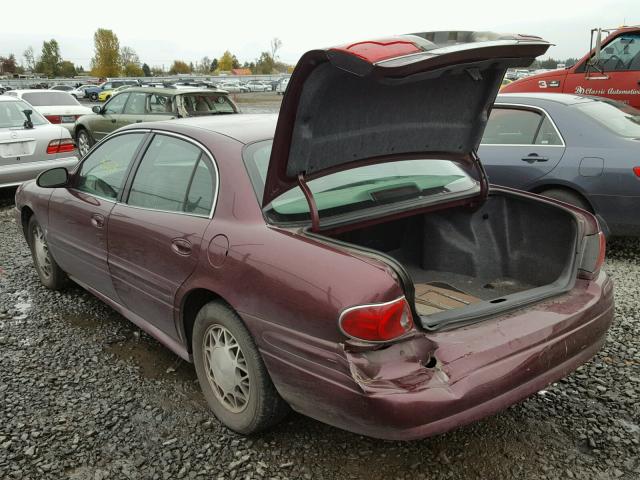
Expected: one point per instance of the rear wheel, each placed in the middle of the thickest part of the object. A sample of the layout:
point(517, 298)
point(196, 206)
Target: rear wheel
point(51, 275)
point(93, 97)
point(84, 141)
point(567, 196)
point(231, 372)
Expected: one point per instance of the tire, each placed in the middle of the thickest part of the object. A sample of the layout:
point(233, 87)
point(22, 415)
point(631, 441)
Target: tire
point(84, 141)
point(567, 196)
point(257, 405)
point(93, 97)
point(51, 275)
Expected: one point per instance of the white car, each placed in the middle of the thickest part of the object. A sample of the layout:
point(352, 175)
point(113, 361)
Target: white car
point(29, 144)
point(80, 92)
point(231, 87)
point(59, 108)
point(282, 86)
point(258, 87)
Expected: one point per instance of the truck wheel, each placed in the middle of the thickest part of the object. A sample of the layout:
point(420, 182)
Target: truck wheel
point(567, 196)
point(51, 275)
point(231, 372)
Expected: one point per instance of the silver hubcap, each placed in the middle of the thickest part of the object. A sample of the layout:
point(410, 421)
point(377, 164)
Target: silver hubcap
point(83, 143)
point(42, 251)
point(226, 368)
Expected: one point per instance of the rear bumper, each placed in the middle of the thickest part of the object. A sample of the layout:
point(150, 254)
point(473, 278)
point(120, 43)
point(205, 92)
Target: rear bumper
point(480, 370)
point(12, 175)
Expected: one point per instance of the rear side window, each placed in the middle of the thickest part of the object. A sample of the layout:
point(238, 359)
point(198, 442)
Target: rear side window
point(160, 104)
point(103, 172)
point(510, 126)
point(174, 176)
point(547, 134)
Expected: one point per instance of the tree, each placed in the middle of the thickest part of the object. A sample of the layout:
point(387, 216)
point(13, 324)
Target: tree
point(275, 46)
point(50, 59)
point(265, 64)
point(158, 71)
point(67, 69)
point(129, 55)
point(549, 63)
point(29, 58)
point(234, 62)
point(8, 64)
point(214, 65)
point(133, 70)
point(146, 70)
point(179, 67)
point(106, 61)
point(225, 62)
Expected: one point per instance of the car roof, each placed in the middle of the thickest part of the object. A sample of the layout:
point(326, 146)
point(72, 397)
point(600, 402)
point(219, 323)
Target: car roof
point(38, 90)
point(561, 98)
point(172, 91)
point(245, 128)
point(9, 98)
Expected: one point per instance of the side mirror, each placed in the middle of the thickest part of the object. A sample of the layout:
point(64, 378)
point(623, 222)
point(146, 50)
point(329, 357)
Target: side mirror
point(596, 55)
point(96, 109)
point(53, 178)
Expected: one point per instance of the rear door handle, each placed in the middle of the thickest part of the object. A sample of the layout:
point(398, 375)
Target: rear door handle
point(181, 246)
point(534, 157)
point(113, 120)
point(97, 220)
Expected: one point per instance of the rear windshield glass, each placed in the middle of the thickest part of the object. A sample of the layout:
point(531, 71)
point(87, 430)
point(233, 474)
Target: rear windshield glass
point(206, 104)
point(617, 117)
point(41, 99)
point(12, 114)
point(362, 187)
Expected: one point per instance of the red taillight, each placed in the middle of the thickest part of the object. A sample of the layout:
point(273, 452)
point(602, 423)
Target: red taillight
point(603, 251)
point(54, 118)
point(378, 323)
point(593, 255)
point(61, 146)
point(636, 170)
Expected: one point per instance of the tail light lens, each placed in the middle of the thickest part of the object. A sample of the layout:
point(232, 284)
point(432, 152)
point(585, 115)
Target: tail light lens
point(61, 146)
point(636, 170)
point(378, 323)
point(54, 118)
point(593, 254)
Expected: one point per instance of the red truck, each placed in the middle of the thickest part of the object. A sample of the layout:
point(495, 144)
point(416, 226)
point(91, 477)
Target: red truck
point(611, 69)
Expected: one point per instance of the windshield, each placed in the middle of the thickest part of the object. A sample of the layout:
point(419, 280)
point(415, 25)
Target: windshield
point(12, 114)
point(362, 187)
point(207, 104)
point(51, 97)
point(615, 116)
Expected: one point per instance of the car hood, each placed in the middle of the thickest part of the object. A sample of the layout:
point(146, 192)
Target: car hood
point(375, 101)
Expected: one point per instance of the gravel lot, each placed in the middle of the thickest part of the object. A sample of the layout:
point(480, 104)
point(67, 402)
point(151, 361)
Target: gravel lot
point(86, 395)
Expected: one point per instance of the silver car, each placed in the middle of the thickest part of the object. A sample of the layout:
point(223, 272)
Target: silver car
point(29, 144)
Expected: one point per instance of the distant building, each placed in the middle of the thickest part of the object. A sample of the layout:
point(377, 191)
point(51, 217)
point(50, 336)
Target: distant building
point(241, 71)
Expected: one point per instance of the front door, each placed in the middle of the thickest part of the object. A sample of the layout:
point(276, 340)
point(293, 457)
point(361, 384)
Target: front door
point(134, 110)
point(78, 215)
point(107, 121)
point(519, 146)
point(155, 234)
point(616, 74)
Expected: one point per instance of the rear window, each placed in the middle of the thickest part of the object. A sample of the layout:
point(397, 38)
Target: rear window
point(41, 99)
point(362, 187)
point(615, 116)
point(12, 114)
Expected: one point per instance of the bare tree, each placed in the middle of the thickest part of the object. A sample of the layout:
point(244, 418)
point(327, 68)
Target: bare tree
point(29, 59)
point(276, 43)
point(128, 55)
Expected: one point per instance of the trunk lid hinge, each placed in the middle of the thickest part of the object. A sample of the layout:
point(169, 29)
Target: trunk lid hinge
point(313, 208)
point(484, 180)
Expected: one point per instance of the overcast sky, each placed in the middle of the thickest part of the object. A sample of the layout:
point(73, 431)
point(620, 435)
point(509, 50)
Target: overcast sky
point(188, 30)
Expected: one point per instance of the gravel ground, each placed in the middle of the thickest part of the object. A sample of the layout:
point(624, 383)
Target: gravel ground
point(84, 394)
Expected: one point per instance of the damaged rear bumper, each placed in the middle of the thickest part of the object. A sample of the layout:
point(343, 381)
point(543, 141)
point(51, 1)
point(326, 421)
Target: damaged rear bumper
point(440, 381)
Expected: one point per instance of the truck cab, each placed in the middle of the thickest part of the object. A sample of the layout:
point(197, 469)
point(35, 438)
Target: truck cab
point(611, 69)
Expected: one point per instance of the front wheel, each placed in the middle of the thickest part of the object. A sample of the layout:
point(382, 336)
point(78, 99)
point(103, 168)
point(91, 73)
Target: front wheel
point(93, 97)
point(231, 372)
point(84, 142)
point(51, 275)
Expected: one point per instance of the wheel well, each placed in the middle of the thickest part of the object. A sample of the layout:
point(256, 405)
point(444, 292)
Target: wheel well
point(573, 191)
point(193, 302)
point(25, 215)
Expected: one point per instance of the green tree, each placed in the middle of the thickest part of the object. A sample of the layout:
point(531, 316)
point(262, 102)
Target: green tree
point(8, 64)
point(226, 61)
point(146, 70)
point(179, 67)
point(214, 65)
point(265, 64)
point(50, 59)
point(158, 71)
point(106, 61)
point(133, 70)
point(67, 69)
point(549, 63)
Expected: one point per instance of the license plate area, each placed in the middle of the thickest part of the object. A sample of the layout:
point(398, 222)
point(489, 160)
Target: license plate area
point(68, 118)
point(16, 149)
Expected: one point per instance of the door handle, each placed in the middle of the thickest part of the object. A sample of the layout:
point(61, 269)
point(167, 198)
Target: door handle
point(113, 120)
point(534, 157)
point(97, 220)
point(139, 121)
point(181, 246)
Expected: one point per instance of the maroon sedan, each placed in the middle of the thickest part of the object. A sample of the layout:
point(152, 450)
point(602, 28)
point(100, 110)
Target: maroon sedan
point(347, 258)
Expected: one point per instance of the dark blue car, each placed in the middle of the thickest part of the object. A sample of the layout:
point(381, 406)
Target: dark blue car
point(580, 150)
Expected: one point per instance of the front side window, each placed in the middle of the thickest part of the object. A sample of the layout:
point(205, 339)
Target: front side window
point(116, 104)
point(103, 172)
point(49, 97)
point(12, 114)
point(136, 104)
point(511, 126)
point(362, 187)
point(173, 176)
point(621, 54)
point(617, 117)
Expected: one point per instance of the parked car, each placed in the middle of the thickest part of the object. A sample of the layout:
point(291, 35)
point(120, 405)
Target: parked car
point(29, 144)
point(83, 91)
point(62, 88)
point(58, 107)
point(580, 150)
point(231, 87)
point(258, 87)
point(93, 93)
point(282, 86)
point(105, 95)
point(346, 257)
point(139, 104)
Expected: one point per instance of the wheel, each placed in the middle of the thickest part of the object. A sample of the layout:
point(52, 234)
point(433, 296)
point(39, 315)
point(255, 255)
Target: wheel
point(567, 196)
point(231, 372)
point(85, 142)
point(51, 275)
point(93, 97)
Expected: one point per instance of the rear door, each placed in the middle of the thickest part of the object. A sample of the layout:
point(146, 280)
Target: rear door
point(520, 144)
point(108, 119)
point(155, 235)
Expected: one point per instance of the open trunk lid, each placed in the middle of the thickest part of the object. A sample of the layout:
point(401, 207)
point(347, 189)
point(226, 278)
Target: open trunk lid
point(375, 101)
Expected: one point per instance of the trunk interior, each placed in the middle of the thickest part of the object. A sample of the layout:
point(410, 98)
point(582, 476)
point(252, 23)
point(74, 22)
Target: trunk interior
point(466, 263)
